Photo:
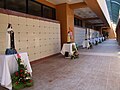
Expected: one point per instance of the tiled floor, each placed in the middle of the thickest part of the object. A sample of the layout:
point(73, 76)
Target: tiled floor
point(96, 69)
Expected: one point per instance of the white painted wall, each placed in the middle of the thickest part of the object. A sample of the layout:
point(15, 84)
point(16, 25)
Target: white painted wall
point(79, 35)
point(93, 33)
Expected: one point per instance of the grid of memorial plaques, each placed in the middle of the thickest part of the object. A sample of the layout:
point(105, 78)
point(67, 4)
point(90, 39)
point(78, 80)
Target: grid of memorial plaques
point(37, 37)
point(80, 34)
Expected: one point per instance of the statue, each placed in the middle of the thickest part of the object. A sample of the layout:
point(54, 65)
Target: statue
point(69, 36)
point(10, 45)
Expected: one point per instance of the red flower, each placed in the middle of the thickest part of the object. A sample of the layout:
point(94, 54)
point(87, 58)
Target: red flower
point(30, 80)
point(21, 75)
point(21, 70)
point(16, 83)
point(18, 56)
point(22, 80)
point(16, 73)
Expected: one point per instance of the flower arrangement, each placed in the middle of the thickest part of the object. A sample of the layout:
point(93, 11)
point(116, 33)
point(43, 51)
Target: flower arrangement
point(22, 77)
point(75, 52)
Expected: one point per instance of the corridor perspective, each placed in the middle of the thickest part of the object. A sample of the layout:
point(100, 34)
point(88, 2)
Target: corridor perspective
point(59, 44)
point(95, 69)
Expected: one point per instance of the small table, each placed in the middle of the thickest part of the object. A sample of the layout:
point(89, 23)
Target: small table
point(97, 39)
point(8, 65)
point(67, 47)
point(86, 44)
point(103, 38)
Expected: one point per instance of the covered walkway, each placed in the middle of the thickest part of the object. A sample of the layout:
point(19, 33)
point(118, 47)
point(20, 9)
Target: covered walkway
point(42, 27)
point(96, 69)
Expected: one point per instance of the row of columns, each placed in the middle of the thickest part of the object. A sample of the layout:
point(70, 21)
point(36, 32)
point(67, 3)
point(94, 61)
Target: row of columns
point(65, 14)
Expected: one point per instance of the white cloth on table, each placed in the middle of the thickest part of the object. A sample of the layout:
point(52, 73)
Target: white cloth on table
point(8, 65)
point(86, 44)
point(103, 38)
point(97, 39)
point(100, 38)
point(67, 47)
point(91, 41)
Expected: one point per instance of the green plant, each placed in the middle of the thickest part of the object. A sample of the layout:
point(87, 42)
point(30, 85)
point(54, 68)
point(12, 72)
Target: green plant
point(22, 77)
point(75, 52)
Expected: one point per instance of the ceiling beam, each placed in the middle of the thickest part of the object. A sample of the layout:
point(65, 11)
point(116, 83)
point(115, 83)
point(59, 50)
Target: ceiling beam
point(88, 23)
point(94, 18)
point(78, 17)
point(94, 6)
point(97, 23)
point(78, 5)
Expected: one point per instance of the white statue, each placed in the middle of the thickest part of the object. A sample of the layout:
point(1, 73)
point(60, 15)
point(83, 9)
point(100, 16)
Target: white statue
point(10, 47)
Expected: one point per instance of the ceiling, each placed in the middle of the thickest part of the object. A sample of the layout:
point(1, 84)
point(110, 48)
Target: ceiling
point(64, 1)
point(85, 13)
point(81, 12)
point(113, 8)
point(98, 25)
point(95, 21)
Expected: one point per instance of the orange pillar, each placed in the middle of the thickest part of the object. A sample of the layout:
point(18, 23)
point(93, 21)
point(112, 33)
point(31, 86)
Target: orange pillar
point(65, 15)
